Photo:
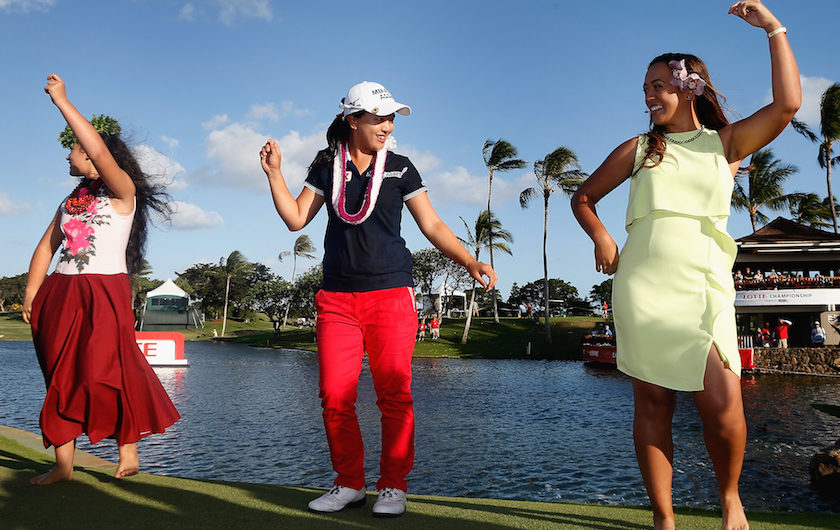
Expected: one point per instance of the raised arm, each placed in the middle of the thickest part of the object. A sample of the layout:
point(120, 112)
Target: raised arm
point(40, 263)
point(117, 180)
point(744, 137)
point(444, 240)
point(613, 171)
point(296, 213)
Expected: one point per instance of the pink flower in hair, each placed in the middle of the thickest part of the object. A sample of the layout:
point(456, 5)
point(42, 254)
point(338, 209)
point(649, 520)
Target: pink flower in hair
point(681, 78)
point(695, 83)
point(678, 73)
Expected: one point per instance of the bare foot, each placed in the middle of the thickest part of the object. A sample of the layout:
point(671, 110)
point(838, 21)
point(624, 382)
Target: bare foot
point(56, 474)
point(129, 461)
point(734, 517)
point(665, 524)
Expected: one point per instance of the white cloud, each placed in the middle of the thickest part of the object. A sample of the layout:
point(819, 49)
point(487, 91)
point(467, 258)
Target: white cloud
point(235, 151)
point(266, 111)
point(289, 109)
point(812, 91)
point(24, 6)
point(270, 112)
point(9, 207)
point(160, 168)
point(187, 13)
point(173, 143)
point(298, 152)
point(424, 162)
point(458, 186)
point(215, 122)
point(186, 216)
point(232, 11)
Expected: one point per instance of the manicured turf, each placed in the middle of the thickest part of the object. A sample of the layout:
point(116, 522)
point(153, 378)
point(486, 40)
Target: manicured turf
point(95, 500)
point(508, 339)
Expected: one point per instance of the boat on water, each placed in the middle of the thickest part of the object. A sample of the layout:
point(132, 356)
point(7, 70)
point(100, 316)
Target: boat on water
point(599, 348)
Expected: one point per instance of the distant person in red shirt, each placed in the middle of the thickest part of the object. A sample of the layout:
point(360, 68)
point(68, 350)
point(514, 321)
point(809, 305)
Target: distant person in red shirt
point(434, 324)
point(782, 332)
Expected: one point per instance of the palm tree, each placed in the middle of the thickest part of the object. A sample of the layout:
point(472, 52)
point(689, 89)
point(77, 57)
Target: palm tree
point(304, 249)
point(499, 155)
point(830, 132)
point(234, 265)
point(488, 233)
point(558, 171)
point(765, 176)
point(808, 209)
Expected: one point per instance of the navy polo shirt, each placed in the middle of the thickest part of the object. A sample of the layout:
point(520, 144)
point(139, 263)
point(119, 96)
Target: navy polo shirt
point(371, 255)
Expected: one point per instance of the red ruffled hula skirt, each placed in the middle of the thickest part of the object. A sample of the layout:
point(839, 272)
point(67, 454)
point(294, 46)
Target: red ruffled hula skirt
point(98, 381)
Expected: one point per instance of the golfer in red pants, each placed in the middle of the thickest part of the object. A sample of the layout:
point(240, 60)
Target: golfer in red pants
point(366, 303)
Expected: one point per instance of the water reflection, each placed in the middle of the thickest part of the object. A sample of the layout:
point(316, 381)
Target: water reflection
point(536, 430)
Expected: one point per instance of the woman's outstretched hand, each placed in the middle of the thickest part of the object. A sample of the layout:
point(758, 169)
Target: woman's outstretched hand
point(479, 270)
point(55, 88)
point(270, 157)
point(756, 14)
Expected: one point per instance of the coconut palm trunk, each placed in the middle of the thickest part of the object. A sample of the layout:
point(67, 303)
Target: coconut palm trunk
point(224, 314)
point(498, 155)
point(467, 324)
point(294, 268)
point(828, 186)
point(545, 275)
point(303, 248)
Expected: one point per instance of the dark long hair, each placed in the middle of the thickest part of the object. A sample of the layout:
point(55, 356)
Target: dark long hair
point(337, 133)
point(149, 195)
point(709, 109)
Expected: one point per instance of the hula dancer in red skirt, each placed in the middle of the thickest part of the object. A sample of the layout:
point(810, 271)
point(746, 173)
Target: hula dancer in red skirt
point(366, 303)
point(98, 382)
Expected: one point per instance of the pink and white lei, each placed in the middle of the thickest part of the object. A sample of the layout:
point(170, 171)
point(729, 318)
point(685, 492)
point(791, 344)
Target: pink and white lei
point(340, 178)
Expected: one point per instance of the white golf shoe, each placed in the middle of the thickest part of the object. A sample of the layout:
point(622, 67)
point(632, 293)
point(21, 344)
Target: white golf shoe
point(391, 503)
point(338, 498)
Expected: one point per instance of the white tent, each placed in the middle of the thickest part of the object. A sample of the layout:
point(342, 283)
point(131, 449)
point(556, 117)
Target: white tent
point(439, 294)
point(167, 288)
point(168, 307)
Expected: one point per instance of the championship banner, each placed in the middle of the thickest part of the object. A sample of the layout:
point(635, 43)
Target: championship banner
point(162, 348)
point(788, 297)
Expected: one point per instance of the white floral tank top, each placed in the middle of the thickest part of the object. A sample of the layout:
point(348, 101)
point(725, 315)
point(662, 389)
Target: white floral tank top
point(94, 240)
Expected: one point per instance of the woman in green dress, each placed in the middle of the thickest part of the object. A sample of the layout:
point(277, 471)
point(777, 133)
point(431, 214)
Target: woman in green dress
point(673, 295)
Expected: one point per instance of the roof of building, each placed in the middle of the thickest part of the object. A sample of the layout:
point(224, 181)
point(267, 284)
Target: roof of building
point(781, 230)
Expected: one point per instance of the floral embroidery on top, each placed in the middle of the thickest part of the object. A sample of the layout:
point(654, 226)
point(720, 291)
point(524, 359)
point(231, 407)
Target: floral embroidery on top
point(80, 233)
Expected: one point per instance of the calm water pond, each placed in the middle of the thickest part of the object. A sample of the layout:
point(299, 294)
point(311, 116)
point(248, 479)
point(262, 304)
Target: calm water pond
point(532, 430)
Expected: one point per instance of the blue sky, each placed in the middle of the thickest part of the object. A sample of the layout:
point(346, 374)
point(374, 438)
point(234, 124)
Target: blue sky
point(199, 86)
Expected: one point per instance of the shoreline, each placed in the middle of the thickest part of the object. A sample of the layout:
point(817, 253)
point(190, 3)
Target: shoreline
point(94, 498)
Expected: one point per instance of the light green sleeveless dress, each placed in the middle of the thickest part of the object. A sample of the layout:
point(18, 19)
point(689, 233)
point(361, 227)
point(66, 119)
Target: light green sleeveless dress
point(673, 294)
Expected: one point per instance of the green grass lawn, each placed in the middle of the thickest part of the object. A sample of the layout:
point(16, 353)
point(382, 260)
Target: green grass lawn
point(95, 500)
point(12, 326)
point(508, 339)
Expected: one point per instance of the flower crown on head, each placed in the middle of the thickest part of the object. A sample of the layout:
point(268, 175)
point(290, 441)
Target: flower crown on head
point(681, 78)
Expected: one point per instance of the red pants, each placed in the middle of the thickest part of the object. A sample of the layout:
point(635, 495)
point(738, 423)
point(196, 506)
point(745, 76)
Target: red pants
point(382, 323)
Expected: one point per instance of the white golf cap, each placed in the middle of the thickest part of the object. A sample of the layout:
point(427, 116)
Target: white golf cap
point(373, 98)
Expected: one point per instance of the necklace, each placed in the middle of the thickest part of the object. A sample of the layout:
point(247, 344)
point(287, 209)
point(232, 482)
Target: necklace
point(82, 197)
point(371, 191)
point(696, 136)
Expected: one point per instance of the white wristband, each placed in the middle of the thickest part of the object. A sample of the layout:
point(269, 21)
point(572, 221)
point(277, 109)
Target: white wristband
point(777, 31)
